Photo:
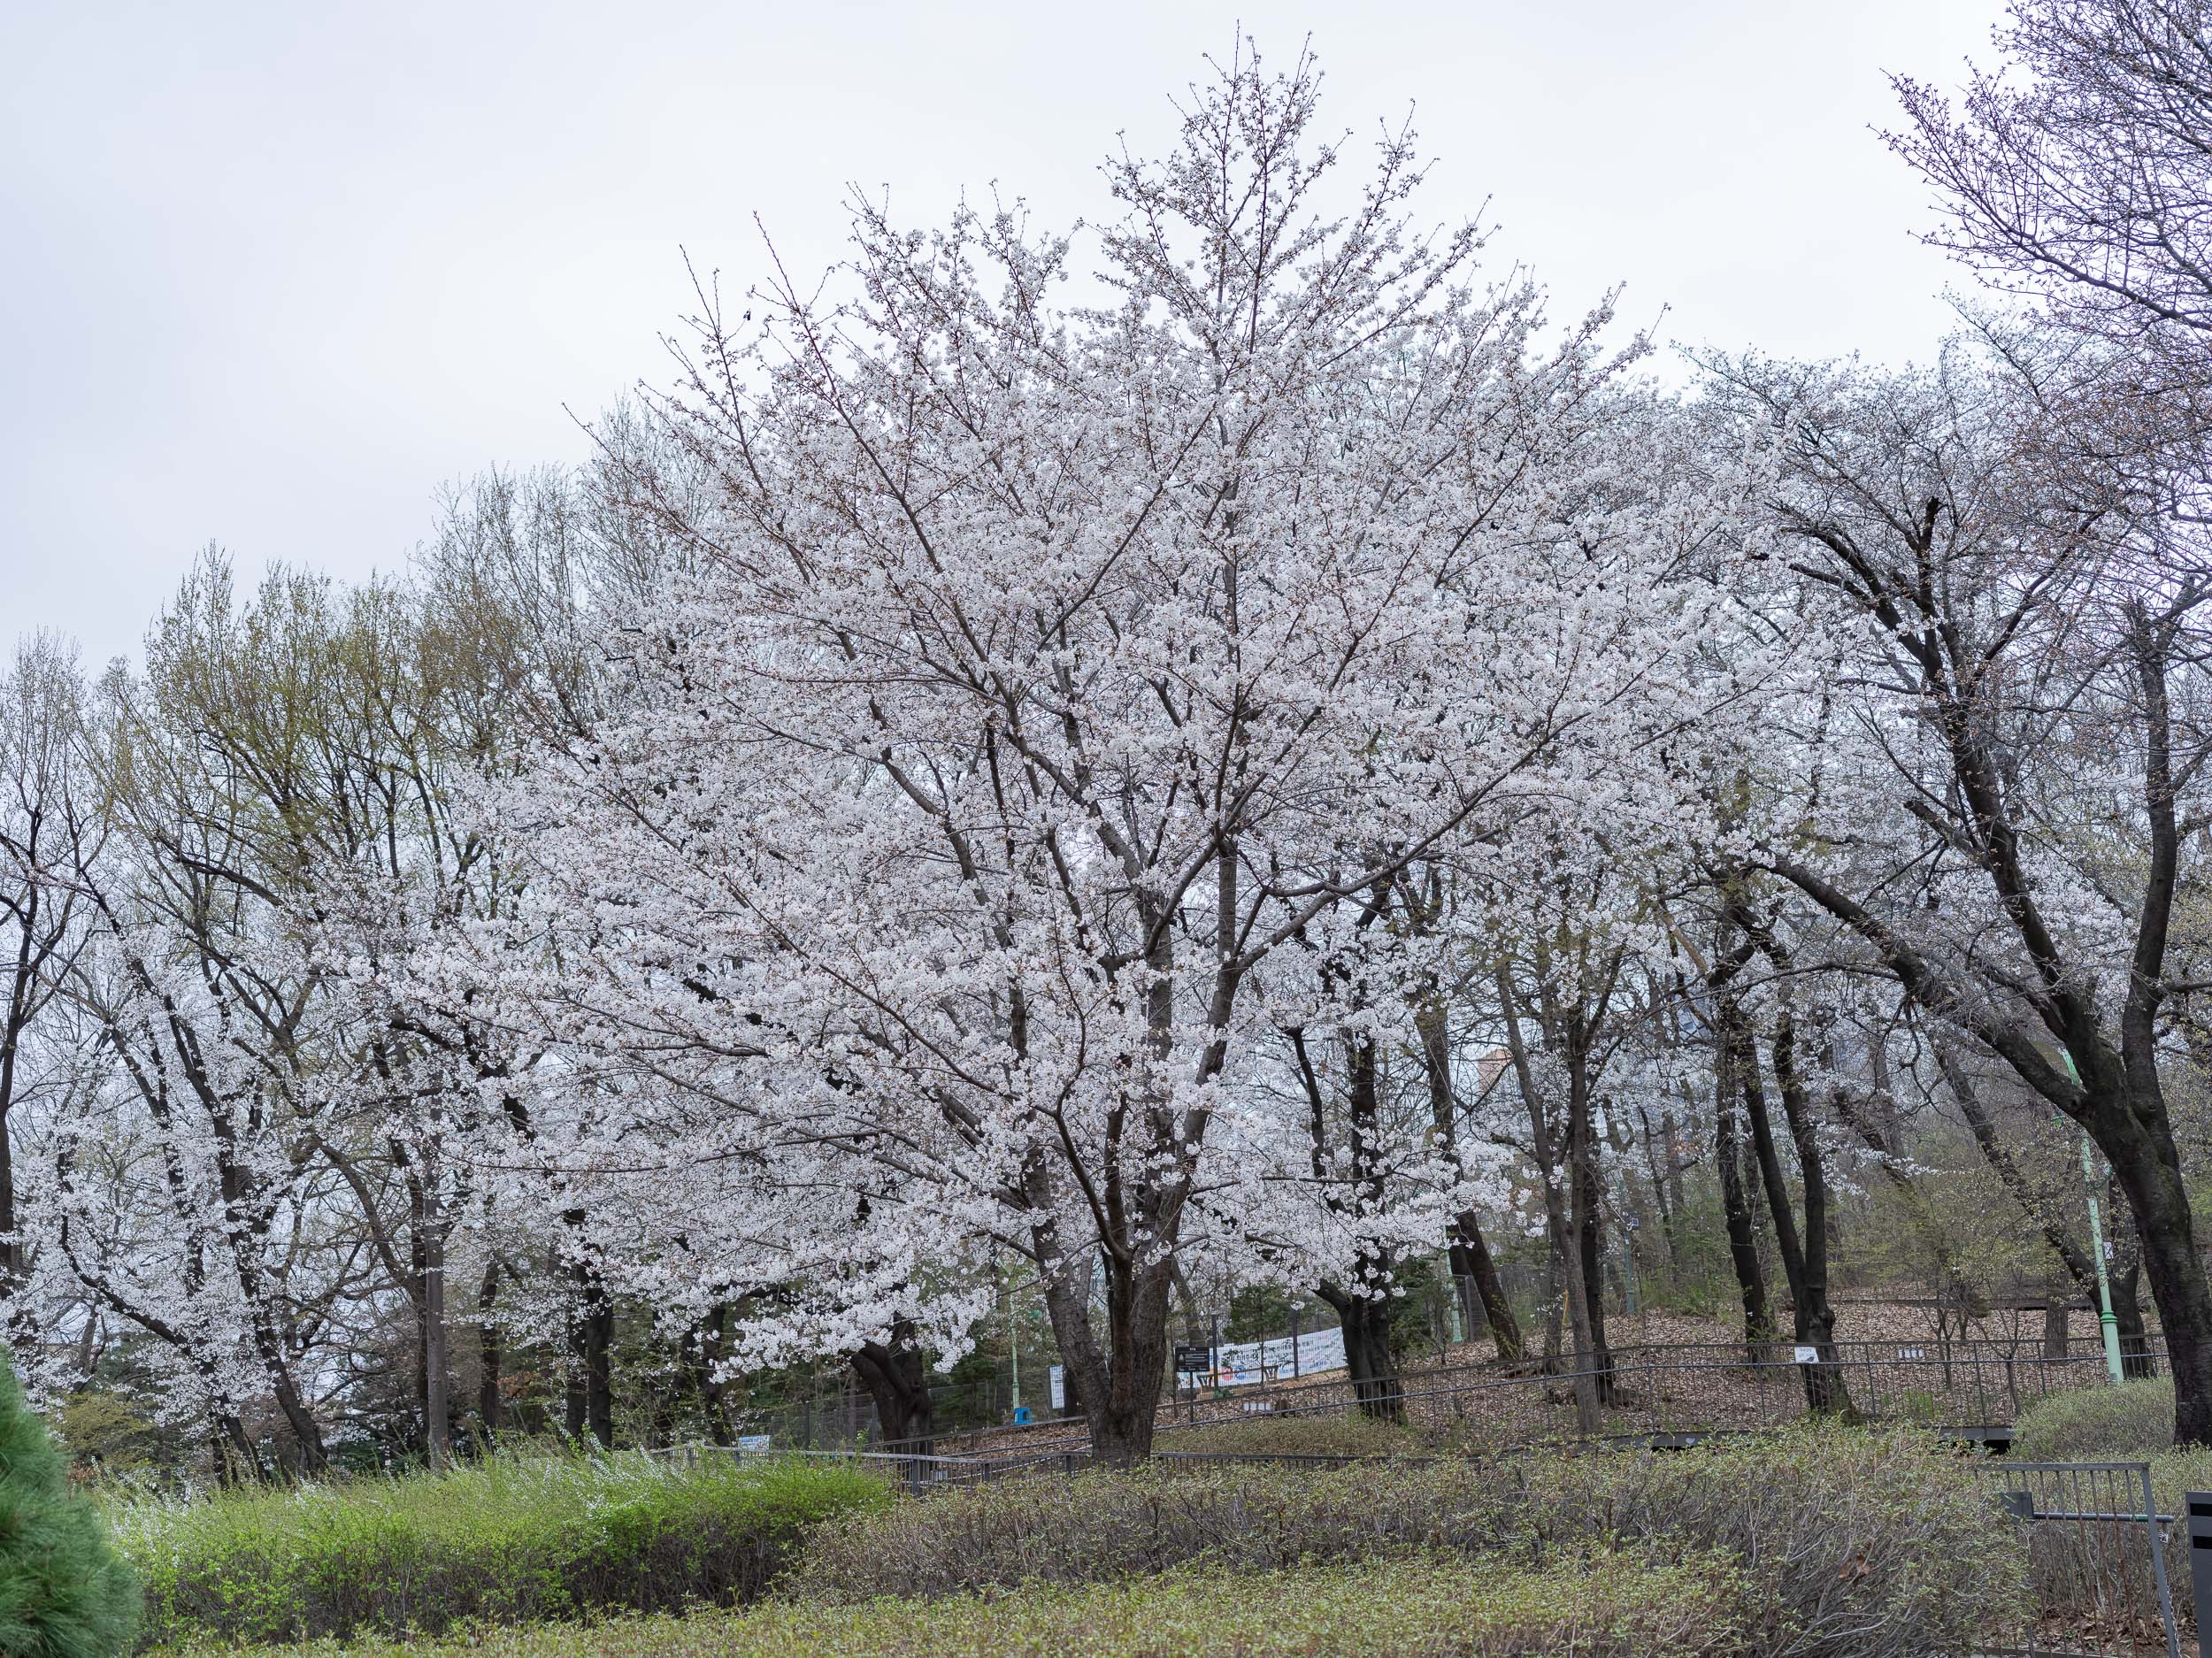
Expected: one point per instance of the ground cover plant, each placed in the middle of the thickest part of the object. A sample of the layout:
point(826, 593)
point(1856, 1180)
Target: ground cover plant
point(64, 1591)
point(1597, 1606)
point(516, 1539)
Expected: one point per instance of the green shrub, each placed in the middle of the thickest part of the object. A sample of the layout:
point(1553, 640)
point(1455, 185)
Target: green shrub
point(1600, 1606)
point(1102, 1525)
point(1855, 1543)
point(63, 1593)
point(2126, 1421)
point(510, 1541)
point(1858, 1544)
point(1344, 1433)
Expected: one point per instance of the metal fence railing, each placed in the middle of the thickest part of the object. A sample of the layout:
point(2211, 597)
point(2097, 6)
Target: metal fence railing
point(1971, 1385)
point(914, 1471)
point(2096, 1554)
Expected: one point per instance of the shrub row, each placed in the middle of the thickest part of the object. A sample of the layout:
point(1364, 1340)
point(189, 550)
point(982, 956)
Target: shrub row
point(1348, 1433)
point(2131, 1422)
point(1853, 1544)
point(1599, 1606)
point(1805, 1544)
point(510, 1541)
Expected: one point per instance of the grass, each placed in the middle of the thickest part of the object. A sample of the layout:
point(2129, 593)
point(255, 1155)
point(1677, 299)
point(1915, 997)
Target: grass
point(514, 1539)
point(1599, 1606)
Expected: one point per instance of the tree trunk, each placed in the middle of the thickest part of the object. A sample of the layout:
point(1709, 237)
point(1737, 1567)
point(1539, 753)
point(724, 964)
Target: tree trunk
point(714, 1389)
point(236, 1461)
point(1743, 1244)
point(1568, 1266)
point(2129, 1123)
point(1585, 1222)
point(589, 1397)
point(1554, 1362)
point(1118, 1382)
point(573, 1411)
point(1826, 1389)
point(1812, 1321)
point(21, 1001)
point(897, 1379)
point(2136, 1361)
point(599, 1369)
point(1469, 1250)
point(1481, 1267)
point(1474, 1320)
point(490, 1405)
point(1661, 1199)
point(1804, 1254)
point(1366, 1317)
point(1367, 1358)
point(437, 1409)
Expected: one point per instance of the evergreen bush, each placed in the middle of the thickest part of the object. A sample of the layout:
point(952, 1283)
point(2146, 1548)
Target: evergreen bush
point(64, 1591)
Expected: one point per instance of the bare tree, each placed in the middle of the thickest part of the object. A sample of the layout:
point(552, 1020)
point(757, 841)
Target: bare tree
point(51, 826)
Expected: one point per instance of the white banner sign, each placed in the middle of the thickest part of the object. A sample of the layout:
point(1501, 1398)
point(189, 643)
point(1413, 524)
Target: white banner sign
point(1243, 1363)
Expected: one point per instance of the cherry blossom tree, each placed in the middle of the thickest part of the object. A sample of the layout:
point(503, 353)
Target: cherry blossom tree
point(1043, 689)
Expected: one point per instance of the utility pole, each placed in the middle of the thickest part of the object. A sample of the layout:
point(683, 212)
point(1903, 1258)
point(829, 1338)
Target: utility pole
point(2106, 1321)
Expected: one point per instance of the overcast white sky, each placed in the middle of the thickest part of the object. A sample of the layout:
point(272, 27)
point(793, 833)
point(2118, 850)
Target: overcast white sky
point(271, 271)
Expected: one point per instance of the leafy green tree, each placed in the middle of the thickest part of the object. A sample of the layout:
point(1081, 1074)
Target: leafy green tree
point(64, 1591)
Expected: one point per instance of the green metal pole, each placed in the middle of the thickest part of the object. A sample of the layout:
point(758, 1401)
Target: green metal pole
point(1014, 1326)
point(2106, 1321)
point(2111, 1325)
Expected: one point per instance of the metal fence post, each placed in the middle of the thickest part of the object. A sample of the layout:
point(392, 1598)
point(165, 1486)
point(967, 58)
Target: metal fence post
point(2158, 1570)
point(2197, 1508)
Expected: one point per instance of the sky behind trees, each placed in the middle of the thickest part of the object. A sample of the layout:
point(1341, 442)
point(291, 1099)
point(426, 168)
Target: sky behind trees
point(277, 273)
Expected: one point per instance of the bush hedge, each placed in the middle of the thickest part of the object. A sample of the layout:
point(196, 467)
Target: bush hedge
point(549, 1536)
point(1595, 1606)
point(2130, 1421)
point(1855, 1544)
point(1346, 1434)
